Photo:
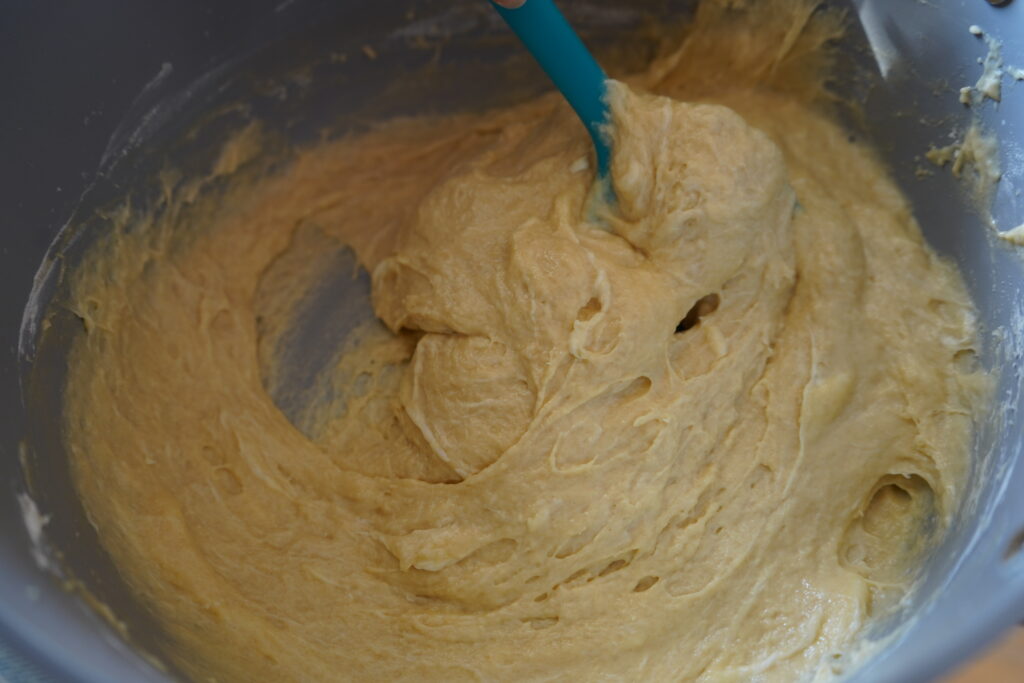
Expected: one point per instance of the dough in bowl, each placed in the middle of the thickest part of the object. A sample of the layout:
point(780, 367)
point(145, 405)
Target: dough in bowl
point(708, 434)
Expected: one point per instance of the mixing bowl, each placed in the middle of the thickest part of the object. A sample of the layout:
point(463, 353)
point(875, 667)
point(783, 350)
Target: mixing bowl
point(101, 96)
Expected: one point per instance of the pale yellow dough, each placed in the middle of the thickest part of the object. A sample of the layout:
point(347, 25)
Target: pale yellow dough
point(544, 480)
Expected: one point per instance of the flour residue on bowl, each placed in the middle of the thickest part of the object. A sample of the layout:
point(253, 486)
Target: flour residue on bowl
point(975, 157)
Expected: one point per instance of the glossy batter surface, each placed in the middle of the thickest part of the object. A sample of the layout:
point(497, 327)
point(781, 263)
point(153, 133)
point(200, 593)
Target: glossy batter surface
point(706, 436)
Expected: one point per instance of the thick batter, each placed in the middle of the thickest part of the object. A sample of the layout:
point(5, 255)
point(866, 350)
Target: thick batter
point(706, 435)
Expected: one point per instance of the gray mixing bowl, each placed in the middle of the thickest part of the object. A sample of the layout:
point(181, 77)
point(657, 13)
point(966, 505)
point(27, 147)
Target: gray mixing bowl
point(115, 83)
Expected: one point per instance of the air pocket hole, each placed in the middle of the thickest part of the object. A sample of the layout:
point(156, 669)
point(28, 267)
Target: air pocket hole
point(592, 308)
point(706, 305)
point(227, 481)
point(613, 567)
point(1015, 546)
point(966, 361)
point(645, 583)
point(539, 623)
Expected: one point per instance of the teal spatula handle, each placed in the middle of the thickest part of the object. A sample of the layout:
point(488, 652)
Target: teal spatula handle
point(562, 55)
